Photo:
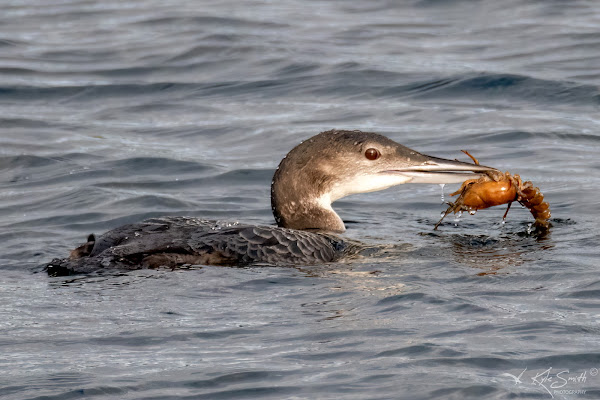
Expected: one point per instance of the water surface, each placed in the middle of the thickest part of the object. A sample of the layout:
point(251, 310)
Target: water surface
point(115, 111)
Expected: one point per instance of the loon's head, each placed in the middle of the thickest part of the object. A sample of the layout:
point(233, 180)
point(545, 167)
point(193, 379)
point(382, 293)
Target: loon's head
point(334, 164)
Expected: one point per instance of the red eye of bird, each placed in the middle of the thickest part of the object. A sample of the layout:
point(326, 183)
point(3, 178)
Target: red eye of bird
point(372, 154)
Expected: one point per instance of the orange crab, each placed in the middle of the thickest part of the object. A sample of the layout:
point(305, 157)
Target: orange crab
point(496, 188)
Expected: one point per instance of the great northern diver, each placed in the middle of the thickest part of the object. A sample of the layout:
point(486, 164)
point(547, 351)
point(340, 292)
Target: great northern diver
point(317, 172)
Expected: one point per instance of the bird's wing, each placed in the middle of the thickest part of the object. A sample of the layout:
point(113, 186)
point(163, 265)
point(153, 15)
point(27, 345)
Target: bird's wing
point(172, 241)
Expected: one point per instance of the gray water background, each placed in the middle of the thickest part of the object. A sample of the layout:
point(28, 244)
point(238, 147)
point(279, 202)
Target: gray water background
point(115, 111)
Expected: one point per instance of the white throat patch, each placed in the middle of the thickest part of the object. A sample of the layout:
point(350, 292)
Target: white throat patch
point(366, 184)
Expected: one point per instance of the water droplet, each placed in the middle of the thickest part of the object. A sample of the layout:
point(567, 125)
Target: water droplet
point(529, 228)
point(457, 218)
point(442, 186)
point(472, 212)
point(218, 225)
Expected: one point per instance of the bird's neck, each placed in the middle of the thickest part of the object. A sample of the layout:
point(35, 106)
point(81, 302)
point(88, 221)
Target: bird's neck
point(302, 200)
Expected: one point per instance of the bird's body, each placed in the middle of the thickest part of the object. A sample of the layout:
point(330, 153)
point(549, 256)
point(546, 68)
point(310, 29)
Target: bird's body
point(315, 173)
point(178, 241)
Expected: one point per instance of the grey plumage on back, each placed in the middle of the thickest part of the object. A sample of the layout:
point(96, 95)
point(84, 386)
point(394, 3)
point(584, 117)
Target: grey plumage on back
point(176, 241)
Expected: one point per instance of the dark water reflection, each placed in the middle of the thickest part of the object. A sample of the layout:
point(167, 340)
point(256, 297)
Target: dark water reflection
point(113, 112)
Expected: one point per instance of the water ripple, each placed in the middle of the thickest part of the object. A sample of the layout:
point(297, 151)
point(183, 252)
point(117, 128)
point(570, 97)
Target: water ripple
point(116, 111)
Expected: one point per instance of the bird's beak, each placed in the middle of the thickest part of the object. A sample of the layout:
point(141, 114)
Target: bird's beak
point(428, 169)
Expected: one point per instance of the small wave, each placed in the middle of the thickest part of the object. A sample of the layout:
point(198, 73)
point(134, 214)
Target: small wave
point(502, 87)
